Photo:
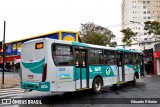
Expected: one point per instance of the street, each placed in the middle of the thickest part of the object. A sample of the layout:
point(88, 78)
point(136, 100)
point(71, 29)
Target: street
point(147, 87)
point(14, 74)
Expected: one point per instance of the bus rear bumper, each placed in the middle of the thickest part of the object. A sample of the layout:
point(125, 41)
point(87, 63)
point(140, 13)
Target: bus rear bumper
point(39, 86)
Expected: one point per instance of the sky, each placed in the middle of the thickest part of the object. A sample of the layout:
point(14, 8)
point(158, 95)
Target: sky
point(27, 18)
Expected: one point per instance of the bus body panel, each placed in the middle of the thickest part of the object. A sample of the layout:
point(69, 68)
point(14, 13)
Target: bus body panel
point(130, 71)
point(32, 61)
point(61, 78)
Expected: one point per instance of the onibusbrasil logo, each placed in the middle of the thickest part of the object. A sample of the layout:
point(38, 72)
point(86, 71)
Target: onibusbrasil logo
point(108, 71)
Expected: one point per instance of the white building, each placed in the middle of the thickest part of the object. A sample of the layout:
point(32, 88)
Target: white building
point(134, 14)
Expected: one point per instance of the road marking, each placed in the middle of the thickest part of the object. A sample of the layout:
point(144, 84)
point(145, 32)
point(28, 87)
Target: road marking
point(10, 95)
point(11, 92)
point(16, 88)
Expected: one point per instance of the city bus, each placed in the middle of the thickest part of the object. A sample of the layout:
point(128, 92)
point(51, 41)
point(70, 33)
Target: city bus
point(63, 66)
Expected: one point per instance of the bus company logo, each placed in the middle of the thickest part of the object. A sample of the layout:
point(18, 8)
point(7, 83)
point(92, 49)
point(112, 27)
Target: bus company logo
point(96, 69)
point(108, 71)
point(30, 76)
point(69, 38)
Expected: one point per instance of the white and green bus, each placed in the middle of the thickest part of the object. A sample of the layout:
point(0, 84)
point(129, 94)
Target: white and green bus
point(62, 66)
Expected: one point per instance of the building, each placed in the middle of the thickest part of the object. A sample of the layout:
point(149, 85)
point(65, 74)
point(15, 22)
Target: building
point(156, 56)
point(134, 14)
point(13, 49)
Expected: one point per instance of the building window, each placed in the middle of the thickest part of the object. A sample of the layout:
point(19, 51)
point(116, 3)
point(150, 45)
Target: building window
point(144, 2)
point(148, 2)
point(144, 12)
point(144, 17)
point(149, 17)
point(144, 7)
point(145, 38)
point(145, 33)
point(148, 12)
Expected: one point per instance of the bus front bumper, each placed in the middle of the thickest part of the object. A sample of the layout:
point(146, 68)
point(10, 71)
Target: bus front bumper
point(39, 86)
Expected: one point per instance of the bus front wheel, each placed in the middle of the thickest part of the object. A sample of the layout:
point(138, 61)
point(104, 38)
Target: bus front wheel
point(97, 85)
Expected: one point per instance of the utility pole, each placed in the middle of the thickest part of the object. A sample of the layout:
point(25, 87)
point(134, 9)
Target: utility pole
point(3, 51)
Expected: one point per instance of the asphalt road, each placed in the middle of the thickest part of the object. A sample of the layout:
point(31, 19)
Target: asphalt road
point(148, 87)
point(14, 74)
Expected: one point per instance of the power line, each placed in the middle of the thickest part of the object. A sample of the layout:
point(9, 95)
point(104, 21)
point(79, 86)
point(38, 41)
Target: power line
point(141, 43)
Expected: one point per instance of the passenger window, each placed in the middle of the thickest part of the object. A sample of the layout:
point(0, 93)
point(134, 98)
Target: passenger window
point(128, 58)
point(63, 55)
point(136, 58)
point(96, 57)
point(109, 57)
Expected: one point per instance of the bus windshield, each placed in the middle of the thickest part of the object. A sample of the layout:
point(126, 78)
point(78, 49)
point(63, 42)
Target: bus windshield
point(62, 55)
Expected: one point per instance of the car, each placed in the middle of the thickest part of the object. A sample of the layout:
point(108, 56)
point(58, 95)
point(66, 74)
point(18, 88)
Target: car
point(5, 69)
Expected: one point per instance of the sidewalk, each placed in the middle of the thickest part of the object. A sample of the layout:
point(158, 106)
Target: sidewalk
point(9, 82)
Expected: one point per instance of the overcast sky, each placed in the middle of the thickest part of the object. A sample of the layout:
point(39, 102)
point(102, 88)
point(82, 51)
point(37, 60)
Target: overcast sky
point(26, 18)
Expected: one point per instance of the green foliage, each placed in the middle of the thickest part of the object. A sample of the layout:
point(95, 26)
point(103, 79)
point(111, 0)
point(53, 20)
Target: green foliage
point(95, 34)
point(128, 35)
point(113, 44)
point(152, 27)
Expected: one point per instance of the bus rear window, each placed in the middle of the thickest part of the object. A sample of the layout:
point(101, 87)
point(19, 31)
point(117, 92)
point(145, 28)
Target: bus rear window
point(62, 55)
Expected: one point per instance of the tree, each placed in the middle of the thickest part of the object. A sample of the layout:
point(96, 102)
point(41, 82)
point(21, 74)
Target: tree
point(152, 27)
point(128, 36)
point(113, 44)
point(95, 34)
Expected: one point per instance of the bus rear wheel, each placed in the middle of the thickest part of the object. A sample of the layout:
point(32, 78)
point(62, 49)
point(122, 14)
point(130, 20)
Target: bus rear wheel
point(97, 85)
point(134, 80)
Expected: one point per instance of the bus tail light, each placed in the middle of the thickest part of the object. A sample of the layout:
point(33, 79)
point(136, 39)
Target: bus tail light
point(44, 74)
point(20, 73)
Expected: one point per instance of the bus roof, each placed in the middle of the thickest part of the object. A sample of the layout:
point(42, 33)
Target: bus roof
point(127, 50)
point(87, 45)
point(92, 46)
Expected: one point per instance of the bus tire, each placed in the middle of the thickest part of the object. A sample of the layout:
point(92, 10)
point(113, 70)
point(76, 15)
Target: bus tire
point(115, 87)
point(97, 85)
point(134, 80)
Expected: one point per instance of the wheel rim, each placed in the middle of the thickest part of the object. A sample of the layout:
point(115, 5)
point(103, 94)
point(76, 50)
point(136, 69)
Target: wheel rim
point(98, 86)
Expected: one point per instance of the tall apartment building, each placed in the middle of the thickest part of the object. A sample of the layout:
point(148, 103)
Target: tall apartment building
point(134, 14)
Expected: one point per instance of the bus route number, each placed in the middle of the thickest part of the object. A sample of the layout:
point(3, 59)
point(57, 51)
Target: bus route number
point(61, 69)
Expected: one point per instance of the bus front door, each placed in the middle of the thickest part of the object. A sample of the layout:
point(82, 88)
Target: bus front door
point(120, 67)
point(81, 72)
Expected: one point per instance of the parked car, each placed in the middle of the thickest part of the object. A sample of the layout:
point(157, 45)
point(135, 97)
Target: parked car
point(6, 69)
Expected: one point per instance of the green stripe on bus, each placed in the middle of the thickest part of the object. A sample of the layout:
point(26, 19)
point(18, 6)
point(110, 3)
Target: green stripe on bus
point(35, 67)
